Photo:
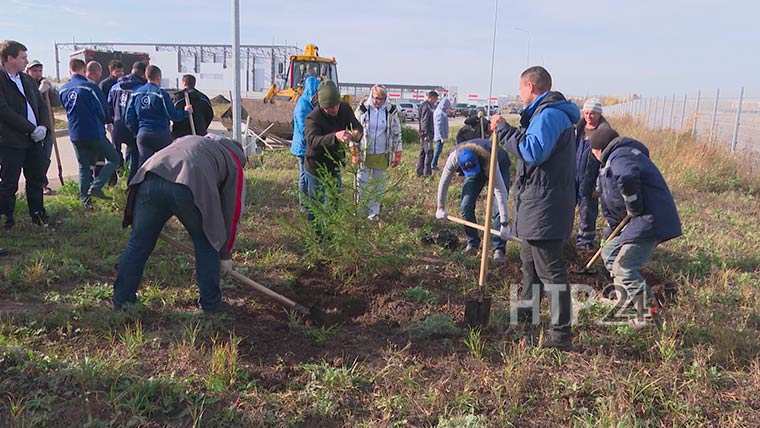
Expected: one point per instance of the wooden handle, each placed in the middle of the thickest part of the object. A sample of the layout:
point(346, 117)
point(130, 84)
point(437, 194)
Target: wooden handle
point(477, 226)
point(488, 214)
point(612, 236)
point(51, 117)
point(190, 114)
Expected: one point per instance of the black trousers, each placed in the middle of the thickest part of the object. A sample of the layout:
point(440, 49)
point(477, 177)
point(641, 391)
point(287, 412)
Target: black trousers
point(543, 265)
point(32, 162)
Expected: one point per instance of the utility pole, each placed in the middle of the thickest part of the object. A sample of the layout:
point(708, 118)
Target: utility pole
point(236, 108)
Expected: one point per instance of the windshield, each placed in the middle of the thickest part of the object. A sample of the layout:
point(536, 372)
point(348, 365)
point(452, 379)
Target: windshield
point(300, 69)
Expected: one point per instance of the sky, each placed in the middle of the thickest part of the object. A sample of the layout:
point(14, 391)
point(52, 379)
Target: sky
point(593, 47)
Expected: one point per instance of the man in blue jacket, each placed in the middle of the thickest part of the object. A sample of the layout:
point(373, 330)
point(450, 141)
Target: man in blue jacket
point(86, 112)
point(148, 115)
point(304, 106)
point(544, 198)
point(632, 185)
point(118, 101)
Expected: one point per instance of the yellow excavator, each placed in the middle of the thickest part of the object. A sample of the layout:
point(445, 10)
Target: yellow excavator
point(277, 104)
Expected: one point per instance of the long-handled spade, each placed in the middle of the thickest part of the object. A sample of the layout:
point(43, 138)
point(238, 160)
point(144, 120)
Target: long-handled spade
point(190, 115)
point(313, 313)
point(46, 99)
point(587, 268)
point(477, 312)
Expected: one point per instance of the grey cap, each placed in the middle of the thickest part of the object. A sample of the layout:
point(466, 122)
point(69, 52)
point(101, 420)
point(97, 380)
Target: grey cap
point(34, 63)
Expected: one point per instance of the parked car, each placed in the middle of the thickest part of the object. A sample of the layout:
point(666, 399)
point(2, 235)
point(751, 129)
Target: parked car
point(461, 109)
point(408, 111)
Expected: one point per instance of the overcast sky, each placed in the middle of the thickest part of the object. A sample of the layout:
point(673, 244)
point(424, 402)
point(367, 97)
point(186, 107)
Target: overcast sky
point(591, 47)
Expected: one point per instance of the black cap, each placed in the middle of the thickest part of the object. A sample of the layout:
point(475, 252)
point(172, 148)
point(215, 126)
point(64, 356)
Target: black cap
point(601, 137)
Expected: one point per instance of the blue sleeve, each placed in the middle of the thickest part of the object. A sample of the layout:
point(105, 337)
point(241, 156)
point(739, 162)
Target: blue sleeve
point(131, 119)
point(541, 136)
point(627, 173)
point(175, 114)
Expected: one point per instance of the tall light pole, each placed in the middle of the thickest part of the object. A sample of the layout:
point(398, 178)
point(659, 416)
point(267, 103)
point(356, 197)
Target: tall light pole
point(493, 56)
point(529, 37)
point(236, 111)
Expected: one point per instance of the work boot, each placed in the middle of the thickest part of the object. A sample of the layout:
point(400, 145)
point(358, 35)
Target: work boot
point(471, 250)
point(40, 219)
point(98, 193)
point(499, 256)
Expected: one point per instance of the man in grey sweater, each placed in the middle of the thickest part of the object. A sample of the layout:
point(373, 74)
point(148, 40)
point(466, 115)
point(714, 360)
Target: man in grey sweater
point(200, 180)
point(471, 159)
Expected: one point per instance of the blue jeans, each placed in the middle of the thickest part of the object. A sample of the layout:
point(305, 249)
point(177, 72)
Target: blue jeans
point(149, 142)
point(87, 152)
point(437, 153)
point(588, 210)
point(157, 200)
point(301, 182)
point(624, 262)
point(470, 191)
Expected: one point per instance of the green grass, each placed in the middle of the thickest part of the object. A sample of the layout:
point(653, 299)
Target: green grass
point(394, 351)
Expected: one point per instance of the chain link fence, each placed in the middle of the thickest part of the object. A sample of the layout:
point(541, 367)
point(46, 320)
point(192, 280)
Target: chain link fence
point(733, 121)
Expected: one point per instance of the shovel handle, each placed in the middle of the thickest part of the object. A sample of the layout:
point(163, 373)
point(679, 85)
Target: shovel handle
point(464, 222)
point(190, 115)
point(613, 235)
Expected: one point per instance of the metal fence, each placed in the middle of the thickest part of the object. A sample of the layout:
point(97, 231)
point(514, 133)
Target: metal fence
point(733, 121)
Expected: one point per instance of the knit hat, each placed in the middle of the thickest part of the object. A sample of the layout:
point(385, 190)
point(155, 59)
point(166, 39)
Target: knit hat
point(602, 137)
point(592, 104)
point(469, 162)
point(328, 94)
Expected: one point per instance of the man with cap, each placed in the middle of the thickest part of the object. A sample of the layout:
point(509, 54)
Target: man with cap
point(427, 133)
point(586, 172)
point(544, 199)
point(201, 181)
point(330, 127)
point(471, 159)
point(632, 185)
point(35, 71)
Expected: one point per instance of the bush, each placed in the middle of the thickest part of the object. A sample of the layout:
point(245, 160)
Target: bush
point(435, 326)
point(409, 135)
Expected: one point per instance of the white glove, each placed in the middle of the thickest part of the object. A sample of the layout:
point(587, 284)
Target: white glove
point(504, 233)
point(226, 266)
point(38, 134)
point(440, 214)
point(45, 86)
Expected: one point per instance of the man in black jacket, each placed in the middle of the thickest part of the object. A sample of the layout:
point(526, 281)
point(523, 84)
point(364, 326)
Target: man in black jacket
point(427, 129)
point(203, 113)
point(544, 198)
point(329, 128)
point(24, 123)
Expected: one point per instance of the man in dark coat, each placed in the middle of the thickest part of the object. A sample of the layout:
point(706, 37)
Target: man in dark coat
point(330, 127)
point(427, 132)
point(203, 113)
point(631, 185)
point(586, 172)
point(544, 197)
point(24, 124)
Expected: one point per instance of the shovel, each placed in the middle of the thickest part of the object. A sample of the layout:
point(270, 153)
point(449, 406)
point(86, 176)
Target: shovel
point(46, 99)
point(314, 314)
point(190, 115)
point(587, 268)
point(477, 311)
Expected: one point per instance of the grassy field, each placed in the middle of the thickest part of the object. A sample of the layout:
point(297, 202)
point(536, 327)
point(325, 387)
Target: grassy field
point(394, 351)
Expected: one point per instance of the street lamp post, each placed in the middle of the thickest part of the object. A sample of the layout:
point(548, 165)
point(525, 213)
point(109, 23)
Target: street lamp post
point(236, 108)
point(528, 43)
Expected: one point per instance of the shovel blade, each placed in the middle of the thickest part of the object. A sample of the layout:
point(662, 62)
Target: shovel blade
point(477, 312)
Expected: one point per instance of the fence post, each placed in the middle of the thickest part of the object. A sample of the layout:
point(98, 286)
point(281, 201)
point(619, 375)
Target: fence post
point(683, 111)
point(714, 122)
point(672, 111)
point(696, 115)
point(662, 112)
point(738, 120)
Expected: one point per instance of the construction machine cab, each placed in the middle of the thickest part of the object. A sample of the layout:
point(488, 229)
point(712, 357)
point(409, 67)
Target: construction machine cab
point(309, 63)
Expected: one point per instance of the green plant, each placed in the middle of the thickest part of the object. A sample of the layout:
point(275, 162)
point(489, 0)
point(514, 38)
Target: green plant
point(409, 135)
point(420, 295)
point(475, 343)
point(321, 335)
point(223, 367)
point(133, 338)
point(435, 326)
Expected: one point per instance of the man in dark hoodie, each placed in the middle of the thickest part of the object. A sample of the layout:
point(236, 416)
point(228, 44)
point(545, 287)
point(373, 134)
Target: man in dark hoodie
point(118, 101)
point(586, 172)
point(631, 185)
point(474, 127)
point(203, 113)
point(200, 181)
point(329, 129)
point(544, 198)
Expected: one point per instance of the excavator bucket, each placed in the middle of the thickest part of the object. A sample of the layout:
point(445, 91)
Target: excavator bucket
point(279, 112)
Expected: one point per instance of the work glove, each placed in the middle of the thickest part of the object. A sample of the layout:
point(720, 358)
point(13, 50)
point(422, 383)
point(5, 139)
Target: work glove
point(38, 134)
point(504, 232)
point(226, 266)
point(45, 86)
point(440, 214)
point(396, 159)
